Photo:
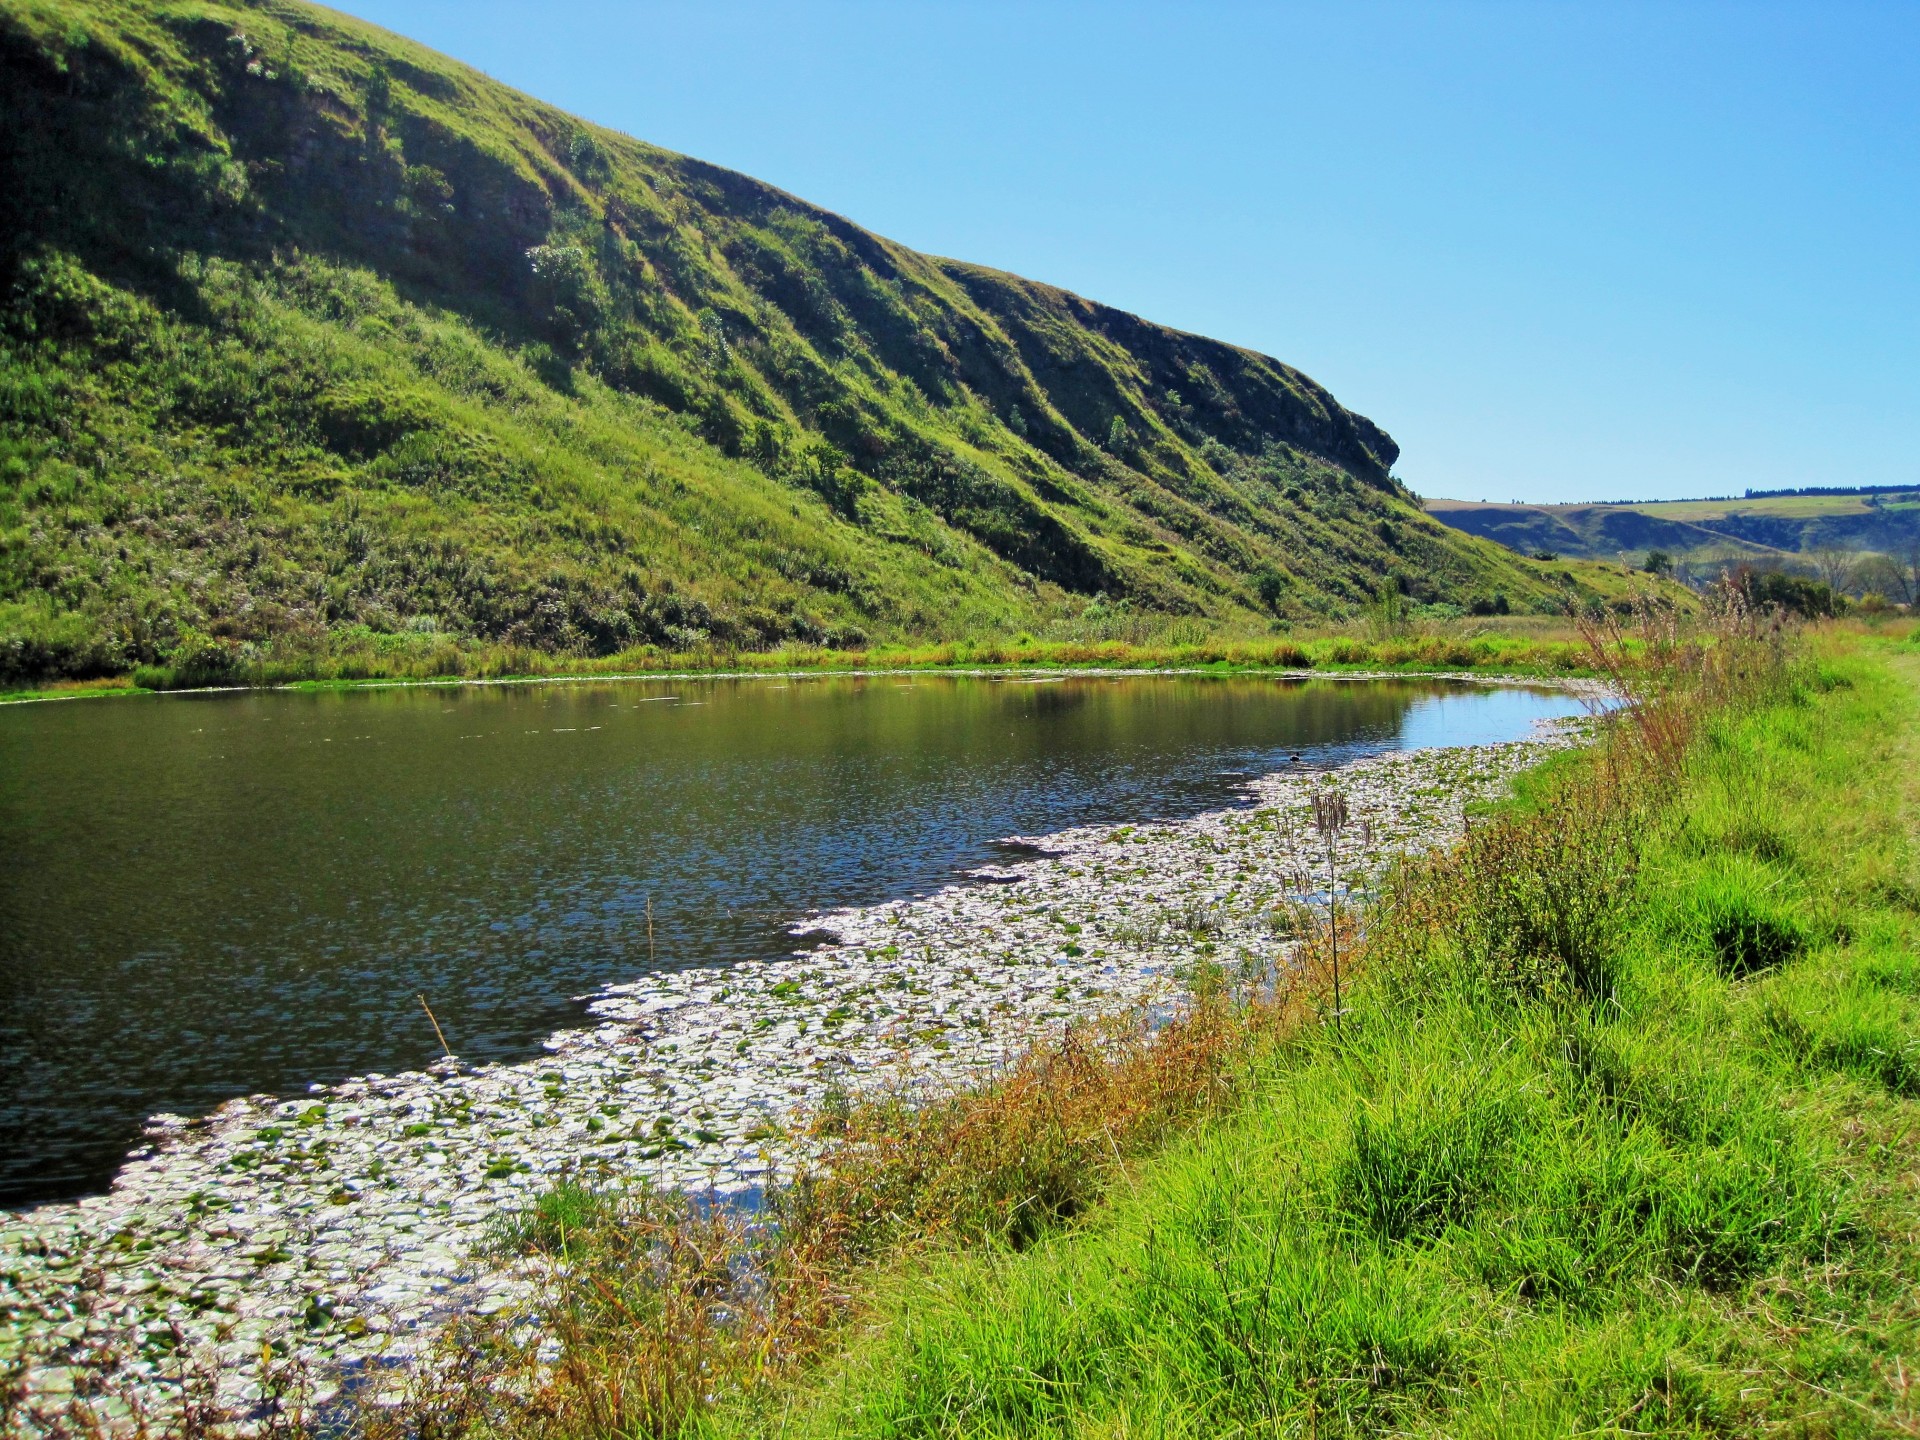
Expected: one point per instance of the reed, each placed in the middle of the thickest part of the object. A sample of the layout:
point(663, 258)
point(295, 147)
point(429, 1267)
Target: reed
point(446, 1050)
point(1329, 819)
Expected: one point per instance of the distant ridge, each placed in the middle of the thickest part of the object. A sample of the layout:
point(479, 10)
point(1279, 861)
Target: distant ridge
point(1760, 524)
point(1912, 490)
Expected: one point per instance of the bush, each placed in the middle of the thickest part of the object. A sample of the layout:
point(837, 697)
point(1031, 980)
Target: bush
point(40, 643)
point(199, 660)
point(1794, 594)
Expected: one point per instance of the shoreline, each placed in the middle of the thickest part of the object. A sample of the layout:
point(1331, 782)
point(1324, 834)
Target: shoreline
point(1560, 680)
point(333, 1234)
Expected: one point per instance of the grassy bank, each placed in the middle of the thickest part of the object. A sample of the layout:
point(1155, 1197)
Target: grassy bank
point(1543, 650)
point(1614, 1135)
point(1535, 646)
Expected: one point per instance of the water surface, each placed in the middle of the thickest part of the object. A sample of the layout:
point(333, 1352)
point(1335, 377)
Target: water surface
point(204, 896)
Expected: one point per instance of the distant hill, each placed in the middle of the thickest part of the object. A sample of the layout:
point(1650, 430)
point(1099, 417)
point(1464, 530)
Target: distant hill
point(311, 336)
point(1778, 525)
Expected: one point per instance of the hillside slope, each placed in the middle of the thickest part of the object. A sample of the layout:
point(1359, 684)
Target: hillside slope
point(312, 336)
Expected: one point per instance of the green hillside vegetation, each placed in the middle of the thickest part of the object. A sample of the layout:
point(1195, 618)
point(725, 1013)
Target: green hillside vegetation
point(315, 344)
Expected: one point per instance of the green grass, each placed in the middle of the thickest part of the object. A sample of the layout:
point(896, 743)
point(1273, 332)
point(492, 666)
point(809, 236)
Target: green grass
point(1796, 506)
point(71, 690)
point(1552, 655)
point(1618, 1139)
point(319, 349)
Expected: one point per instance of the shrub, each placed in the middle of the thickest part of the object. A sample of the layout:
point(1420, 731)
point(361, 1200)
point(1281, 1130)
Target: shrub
point(201, 660)
point(1793, 594)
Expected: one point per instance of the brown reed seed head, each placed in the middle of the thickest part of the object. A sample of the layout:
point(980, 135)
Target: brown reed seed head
point(1329, 812)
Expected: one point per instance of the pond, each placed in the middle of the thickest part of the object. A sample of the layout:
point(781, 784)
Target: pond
point(211, 895)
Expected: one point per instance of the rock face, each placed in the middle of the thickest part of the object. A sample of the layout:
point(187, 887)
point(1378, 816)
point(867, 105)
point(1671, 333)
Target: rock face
point(283, 1250)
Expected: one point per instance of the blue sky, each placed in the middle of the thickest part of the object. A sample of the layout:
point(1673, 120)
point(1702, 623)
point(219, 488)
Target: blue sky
point(1561, 251)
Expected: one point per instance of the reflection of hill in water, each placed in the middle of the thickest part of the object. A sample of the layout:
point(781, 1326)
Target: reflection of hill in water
point(212, 895)
point(1226, 710)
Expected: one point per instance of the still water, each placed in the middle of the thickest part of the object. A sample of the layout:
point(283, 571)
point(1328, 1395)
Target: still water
point(204, 896)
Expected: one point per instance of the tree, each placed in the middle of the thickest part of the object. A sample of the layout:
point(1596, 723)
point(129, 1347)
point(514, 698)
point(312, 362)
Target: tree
point(1659, 562)
point(589, 160)
point(767, 446)
point(823, 469)
point(1895, 575)
point(1835, 567)
point(1885, 576)
point(1388, 615)
point(1119, 436)
point(1907, 563)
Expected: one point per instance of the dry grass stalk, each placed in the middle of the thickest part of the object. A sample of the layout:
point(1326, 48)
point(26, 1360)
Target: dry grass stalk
point(1329, 819)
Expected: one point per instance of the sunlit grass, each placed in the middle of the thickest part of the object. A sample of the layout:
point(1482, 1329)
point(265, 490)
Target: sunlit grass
point(1547, 1182)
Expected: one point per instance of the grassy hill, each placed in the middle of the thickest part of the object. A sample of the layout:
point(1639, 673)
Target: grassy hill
point(313, 340)
point(1762, 528)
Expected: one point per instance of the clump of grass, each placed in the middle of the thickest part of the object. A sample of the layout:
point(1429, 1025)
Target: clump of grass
point(1745, 927)
point(1413, 1169)
point(1528, 907)
point(560, 1217)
